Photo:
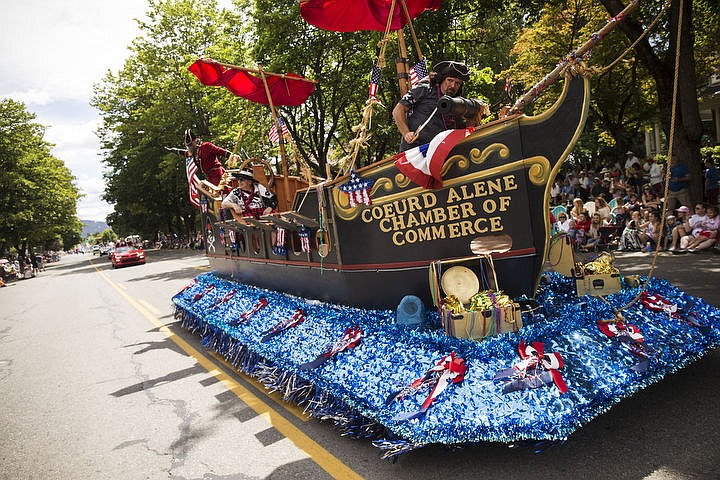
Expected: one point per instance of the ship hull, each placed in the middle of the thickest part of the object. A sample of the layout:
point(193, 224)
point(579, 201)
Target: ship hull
point(495, 182)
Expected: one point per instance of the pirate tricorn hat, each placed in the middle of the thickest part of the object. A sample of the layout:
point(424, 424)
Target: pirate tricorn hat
point(449, 68)
point(189, 136)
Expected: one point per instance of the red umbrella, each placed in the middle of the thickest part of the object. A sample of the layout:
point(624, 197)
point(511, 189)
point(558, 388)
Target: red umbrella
point(289, 89)
point(355, 15)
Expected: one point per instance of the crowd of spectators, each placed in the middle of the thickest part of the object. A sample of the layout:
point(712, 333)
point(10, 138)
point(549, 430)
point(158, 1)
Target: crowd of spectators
point(620, 208)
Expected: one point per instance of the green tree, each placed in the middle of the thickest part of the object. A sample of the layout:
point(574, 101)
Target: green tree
point(38, 196)
point(147, 106)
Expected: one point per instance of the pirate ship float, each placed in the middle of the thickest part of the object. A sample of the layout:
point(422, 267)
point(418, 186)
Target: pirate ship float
point(373, 236)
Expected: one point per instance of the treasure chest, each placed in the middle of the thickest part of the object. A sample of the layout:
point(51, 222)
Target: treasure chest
point(470, 305)
point(598, 277)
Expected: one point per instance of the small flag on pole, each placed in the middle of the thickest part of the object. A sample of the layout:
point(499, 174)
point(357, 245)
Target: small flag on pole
point(193, 181)
point(273, 135)
point(374, 81)
point(418, 72)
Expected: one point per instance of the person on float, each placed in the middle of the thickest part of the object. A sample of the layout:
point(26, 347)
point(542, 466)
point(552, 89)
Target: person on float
point(249, 199)
point(207, 157)
point(416, 114)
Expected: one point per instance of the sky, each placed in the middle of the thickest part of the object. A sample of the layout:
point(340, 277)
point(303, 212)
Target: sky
point(52, 52)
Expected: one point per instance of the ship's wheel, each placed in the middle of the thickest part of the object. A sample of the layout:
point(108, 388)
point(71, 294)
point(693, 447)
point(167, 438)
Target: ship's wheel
point(269, 173)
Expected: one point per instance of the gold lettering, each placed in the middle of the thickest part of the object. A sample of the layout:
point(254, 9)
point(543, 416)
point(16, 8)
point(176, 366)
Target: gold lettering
point(480, 189)
point(366, 215)
point(504, 203)
point(439, 214)
point(384, 225)
point(489, 205)
point(398, 223)
point(424, 234)
point(454, 230)
point(438, 231)
point(388, 210)
point(414, 204)
point(397, 239)
point(398, 204)
point(466, 195)
point(377, 213)
point(429, 199)
point(453, 212)
point(510, 182)
point(411, 236)
point(426, 217)
point(453, 196)
point(494, 186)
point(412, 221)
point(495, 224)
point(467, 210)
point(466, 227)
point(480, 225)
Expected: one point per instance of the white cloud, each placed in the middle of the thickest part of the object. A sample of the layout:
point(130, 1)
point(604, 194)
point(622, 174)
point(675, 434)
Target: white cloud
point(53, 53)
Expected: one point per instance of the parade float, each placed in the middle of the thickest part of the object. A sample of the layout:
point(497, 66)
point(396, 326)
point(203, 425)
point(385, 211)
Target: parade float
point(412, 316)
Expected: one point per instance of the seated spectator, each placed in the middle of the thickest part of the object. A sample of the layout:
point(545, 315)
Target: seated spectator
point(650, 199)
point(249, 199)
point(630, 240)
point(681, 229)
point(670, 224)
point(592, 238)
point(603, 209)
point(563, 224)
point(566, 192)
point(649, 231)
point(577, 208)
point(707, 236)
point(582, 224)
point(556, 191)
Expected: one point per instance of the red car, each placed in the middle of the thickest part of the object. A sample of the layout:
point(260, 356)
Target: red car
point(128, 255)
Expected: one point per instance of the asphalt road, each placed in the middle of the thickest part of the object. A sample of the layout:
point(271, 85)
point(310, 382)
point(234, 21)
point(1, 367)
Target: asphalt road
point(98, 381)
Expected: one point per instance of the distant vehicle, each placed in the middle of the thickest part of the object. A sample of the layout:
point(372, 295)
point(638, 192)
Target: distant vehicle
point(105, 250)
point(96, 249)
point(127, 255)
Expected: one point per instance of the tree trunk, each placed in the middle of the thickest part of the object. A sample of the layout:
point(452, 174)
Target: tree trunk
point(688, 126)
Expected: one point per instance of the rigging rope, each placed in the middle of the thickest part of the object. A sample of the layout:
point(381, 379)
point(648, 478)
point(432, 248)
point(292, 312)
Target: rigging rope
point(671, 141)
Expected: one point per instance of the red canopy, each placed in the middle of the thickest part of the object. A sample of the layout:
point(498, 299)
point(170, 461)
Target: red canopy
point(289, 90)
point(355, 15)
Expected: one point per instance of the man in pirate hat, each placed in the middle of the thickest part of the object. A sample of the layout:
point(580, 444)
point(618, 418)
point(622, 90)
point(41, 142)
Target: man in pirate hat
point(416, 114)
point(249, 199)
point(207, 156)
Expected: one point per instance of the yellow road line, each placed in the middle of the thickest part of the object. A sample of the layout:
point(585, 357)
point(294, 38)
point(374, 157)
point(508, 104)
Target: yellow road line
point(290, 407)
point(151, 308)
point(328, 462)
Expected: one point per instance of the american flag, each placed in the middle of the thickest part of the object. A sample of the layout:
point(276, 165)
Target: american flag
point(273, 135)
point(423, 164)
point(193, 181)
point(418, 72)
point(374, 80)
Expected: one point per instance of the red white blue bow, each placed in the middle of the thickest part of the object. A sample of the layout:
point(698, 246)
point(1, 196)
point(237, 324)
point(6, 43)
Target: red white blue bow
point(536, 369)
point(656, 303)
point(297, 318)
point(349, 340)
point(629, 335)
point(259, 305)
point(207, 290)
point(224, 299)
point(450, 369)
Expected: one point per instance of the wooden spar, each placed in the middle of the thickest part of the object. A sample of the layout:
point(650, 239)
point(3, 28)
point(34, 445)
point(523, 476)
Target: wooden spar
point(552, 77)
point(401, 64)
point(281, 139)
point(258, 72)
